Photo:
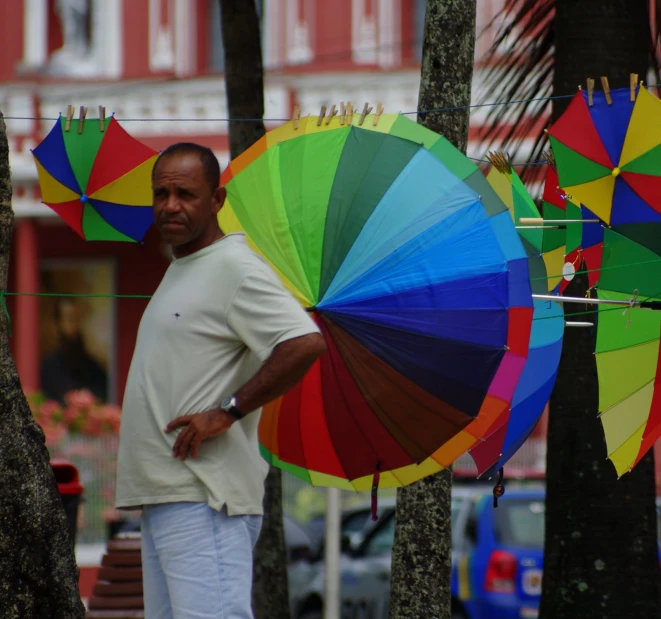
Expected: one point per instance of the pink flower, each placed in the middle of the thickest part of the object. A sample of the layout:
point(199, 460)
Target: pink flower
point(54, 433)
point(80, 399)
point(71, 415)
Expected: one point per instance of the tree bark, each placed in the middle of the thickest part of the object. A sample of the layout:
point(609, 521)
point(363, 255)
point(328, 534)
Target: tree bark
point(38, 573)
point(420, 582)
point(244, 83)
point(601, 556)
point(244, 75)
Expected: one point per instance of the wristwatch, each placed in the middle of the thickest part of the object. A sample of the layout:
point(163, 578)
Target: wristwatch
point(229, 405)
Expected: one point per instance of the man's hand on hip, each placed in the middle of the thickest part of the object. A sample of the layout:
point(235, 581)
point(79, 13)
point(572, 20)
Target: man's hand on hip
point(197, 428)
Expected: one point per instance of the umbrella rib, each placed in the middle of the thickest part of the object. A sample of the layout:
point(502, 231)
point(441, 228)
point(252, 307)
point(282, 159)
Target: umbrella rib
point(642, 425)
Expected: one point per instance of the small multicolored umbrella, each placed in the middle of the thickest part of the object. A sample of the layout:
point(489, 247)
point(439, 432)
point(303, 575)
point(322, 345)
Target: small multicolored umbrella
point(608, 155)
point(98, 182)
point(413, 270)
point(627, 351)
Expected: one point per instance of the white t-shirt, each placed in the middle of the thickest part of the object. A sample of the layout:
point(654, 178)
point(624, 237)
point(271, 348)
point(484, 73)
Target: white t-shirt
point(215, 318)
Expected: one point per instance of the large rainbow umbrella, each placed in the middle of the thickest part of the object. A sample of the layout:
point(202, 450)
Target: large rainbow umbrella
point(98, 182)
point(412, 268)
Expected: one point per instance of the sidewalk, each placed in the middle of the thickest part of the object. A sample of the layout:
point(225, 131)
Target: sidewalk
point(88, 559)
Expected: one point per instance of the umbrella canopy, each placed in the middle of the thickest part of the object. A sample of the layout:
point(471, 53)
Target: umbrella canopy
point(609, 155)
point(98, 182)
point(549, 242)
point(627, 351)
point(579, 242)
point(608, 158)
point(414, 272)
point(532, 392)
point(539, 373)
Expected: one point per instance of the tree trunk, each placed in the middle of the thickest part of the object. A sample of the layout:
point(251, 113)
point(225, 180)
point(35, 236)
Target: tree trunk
point(244, 82)
point(38, 573)
point(420, 583)
point(244, 75)
point(601, 557)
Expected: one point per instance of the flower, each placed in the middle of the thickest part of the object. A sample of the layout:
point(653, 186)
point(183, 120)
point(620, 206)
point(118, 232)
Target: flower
point(82, 415)
point(80, 399)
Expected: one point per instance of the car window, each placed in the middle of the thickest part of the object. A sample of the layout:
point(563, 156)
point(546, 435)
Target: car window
point(520, 522)
point(355, 522)
point(454, 514)
point(381, 542)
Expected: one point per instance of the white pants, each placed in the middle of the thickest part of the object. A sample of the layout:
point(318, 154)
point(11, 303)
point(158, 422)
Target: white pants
point(197, 562)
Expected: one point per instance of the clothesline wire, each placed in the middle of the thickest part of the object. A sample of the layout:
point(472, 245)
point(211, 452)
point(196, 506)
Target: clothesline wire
point(91, 295)
point(356, 111)
point(268, 120)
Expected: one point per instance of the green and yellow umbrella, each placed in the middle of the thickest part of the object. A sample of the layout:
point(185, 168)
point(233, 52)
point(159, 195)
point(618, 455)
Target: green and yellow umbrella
point(549, 241)
point(627, 350)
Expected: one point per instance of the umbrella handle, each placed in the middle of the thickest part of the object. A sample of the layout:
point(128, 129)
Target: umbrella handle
point(499, 488)
point(375, 488)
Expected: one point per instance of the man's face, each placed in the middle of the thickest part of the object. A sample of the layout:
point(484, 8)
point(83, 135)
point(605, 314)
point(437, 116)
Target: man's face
point(185, 207)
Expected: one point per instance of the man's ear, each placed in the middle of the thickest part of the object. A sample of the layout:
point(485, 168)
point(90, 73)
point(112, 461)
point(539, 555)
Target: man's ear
point(219, 196)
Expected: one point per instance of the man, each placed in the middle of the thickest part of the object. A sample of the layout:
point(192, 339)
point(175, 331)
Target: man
point(220, 338)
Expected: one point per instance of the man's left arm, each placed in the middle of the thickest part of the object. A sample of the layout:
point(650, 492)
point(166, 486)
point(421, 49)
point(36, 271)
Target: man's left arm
point(268, 319)
point(287, 365)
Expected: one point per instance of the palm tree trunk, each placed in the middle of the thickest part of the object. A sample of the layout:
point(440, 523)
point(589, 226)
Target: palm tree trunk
point(244, 82)
point(601, 556)
point(38, 573)
point(420, 582)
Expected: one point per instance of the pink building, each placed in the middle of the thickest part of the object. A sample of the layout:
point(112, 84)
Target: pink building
point(157, 65)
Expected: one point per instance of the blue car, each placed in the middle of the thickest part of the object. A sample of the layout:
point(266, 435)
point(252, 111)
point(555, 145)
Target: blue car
point(498, 554)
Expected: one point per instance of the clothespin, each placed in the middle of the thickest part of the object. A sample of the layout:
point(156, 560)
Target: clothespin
point(550, 158)
point(590, 82)
point(102, 118)
point(607, 90)
point(67, 124)
point(500, 161)
point(365, 112)
point(81, 118)
point(297, 115)
point(633, 81)
point(322, 113)
point(343, 111)
point(331, 113)
point(350, 112)
point(379, 111)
